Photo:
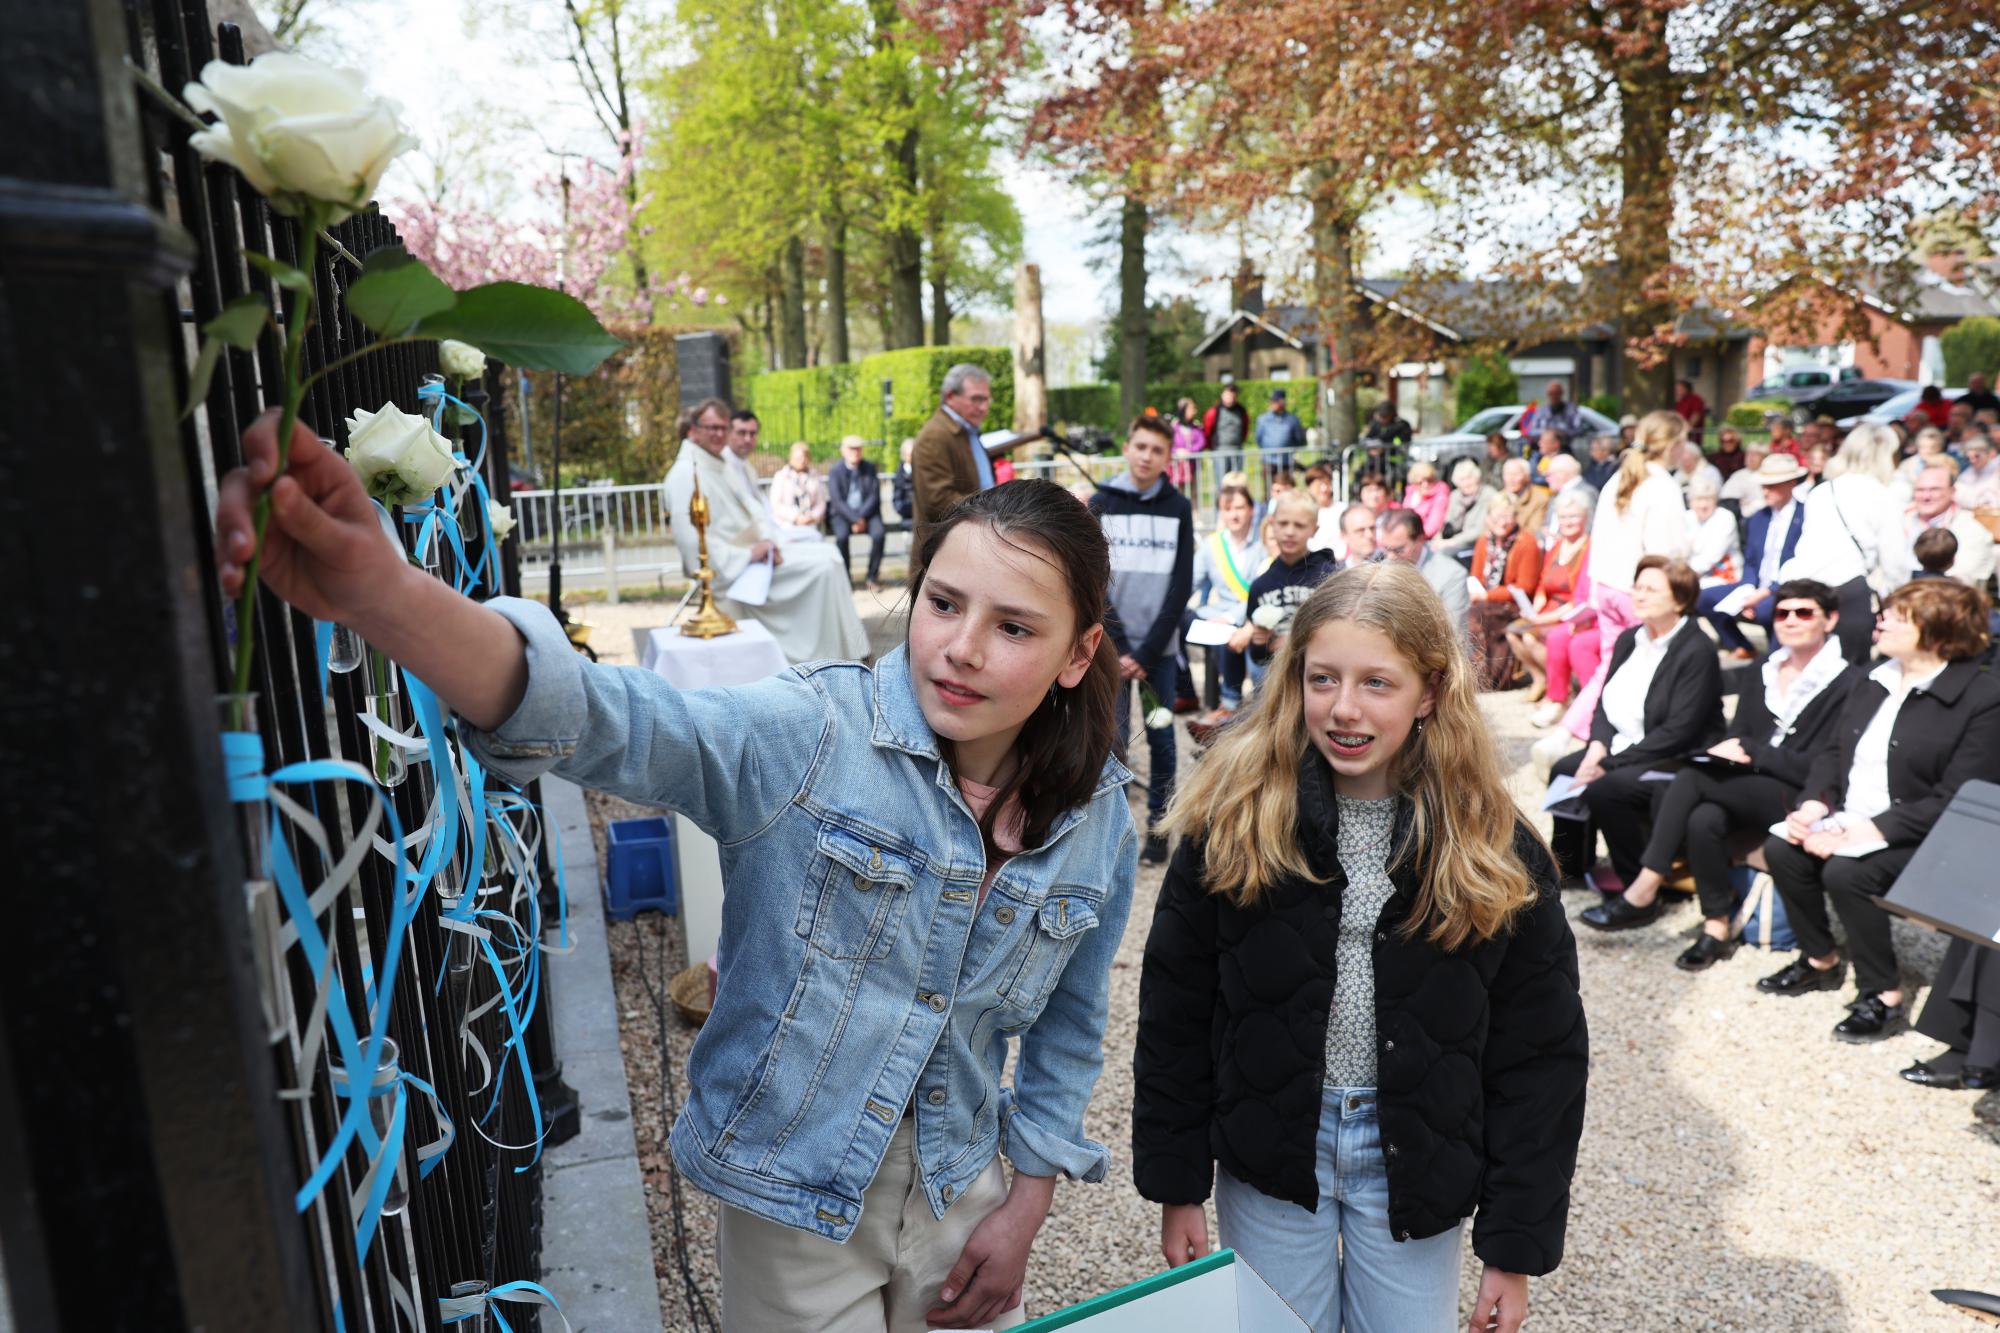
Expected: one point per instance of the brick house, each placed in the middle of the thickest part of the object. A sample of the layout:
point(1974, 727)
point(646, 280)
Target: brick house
point(1904, 325)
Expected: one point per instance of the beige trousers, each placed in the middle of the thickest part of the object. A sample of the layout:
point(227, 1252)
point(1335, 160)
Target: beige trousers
point(887, 1275)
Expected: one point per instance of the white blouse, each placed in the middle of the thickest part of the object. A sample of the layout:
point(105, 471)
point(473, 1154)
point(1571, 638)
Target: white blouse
point(1624, 697)
point(1654, 523)
point(1868, 772)
point(1850, 522)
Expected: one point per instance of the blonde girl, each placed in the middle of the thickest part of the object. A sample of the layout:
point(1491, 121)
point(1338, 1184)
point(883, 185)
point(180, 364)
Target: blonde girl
point(1359, 999)
point(1643, 514)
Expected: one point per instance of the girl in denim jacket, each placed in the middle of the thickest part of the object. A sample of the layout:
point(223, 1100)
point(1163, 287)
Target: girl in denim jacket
point(925, 858)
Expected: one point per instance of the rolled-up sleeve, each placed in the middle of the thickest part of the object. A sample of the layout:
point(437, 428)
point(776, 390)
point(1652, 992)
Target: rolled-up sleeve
point(1041, 1122)
point(626, 731)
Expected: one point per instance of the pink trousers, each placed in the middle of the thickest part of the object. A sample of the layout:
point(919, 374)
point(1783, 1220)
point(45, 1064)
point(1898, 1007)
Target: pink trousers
point(1614, 616)
point(1571, 651)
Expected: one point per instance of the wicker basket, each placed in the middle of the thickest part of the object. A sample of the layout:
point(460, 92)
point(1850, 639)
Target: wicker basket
point(689, 992)
point(1990, 520)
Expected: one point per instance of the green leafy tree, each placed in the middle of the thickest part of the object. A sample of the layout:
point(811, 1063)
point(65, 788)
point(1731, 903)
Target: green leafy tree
point(1972, 347)
point(1485, 379)
point(1172, 330)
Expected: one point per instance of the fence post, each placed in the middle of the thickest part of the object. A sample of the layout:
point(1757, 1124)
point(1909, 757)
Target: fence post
point(146, 1166)
point(610, 539)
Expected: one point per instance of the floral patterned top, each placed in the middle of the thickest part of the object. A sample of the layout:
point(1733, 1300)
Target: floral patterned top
point(1365, 831)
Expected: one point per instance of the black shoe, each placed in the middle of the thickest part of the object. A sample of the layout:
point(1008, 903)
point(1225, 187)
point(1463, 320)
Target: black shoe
point(1156, 849)
point(1928, 1074)
point(1615, 913)
point(1704, 953)
point(1868, 1019)
point(1799, 977)
point(1979, 1078)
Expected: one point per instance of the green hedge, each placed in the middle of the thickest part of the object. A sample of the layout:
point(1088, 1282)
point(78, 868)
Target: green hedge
point(1750, 415)
point(1097, 404)
point(1972, 346)
point(821, 404)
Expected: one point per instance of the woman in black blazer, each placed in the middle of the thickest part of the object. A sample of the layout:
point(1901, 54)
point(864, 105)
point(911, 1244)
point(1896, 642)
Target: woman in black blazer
point(1914, 730)
point(1749, 779)
point(1662, 701)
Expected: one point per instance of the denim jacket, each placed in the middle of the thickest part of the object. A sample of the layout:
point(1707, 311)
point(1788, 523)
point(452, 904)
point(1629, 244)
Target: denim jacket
point(861, 972)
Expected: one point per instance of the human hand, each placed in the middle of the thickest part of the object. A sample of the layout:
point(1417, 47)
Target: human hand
point(1798, 824)
point(767, 551)
point(1502, 1303)
point(1592, 767)
point(324, 549)
point(1129, 668)
point(1259, 635)
point(857, 527)
point(1757, 599)
point(986, 1280)
point(1241, 638)
point(1730, 749)
point(1183, 1233)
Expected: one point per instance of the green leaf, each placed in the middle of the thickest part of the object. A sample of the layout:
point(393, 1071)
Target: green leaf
point(291, 279)
point(460, 415)
point(529, 328)
point(199, 377)
point(394, 292)
point(240, 322)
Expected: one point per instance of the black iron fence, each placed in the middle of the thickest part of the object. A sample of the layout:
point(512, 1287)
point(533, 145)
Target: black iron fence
point(201, 1166)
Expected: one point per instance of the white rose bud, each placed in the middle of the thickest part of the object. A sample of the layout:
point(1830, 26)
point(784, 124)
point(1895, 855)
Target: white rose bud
point(1268, 617)
point(400, 458)
point(1159, 720)
point(461, 361)
point(501, 518)
point(298, 130)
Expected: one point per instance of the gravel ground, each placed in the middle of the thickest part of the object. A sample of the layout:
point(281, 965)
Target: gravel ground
point(1740, 1170)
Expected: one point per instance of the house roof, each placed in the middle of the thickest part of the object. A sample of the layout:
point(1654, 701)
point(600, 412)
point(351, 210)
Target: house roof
point(1925, 296)
point(1462, 311)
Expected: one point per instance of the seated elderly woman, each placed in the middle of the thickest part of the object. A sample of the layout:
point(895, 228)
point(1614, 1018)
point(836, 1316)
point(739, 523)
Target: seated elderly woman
point(1749, 779)
point(1540, 640)
point(1429, 497)
point(1662, 701)
point(1715, 545)
point(1505, 560)
point(1465, 510)
point(1914, 729)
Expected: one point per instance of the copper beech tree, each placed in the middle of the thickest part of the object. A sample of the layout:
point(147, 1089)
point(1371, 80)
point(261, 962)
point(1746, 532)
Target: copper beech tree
point(1625, 161)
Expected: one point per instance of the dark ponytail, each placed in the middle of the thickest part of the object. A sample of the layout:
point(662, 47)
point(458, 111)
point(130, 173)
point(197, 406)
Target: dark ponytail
point(1061, 751)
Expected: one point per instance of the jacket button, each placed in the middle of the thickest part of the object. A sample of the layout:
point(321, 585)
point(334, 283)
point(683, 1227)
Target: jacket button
point(1392, 1150)
point(1388, 1045)
point(862, 881)
point(947, 1193)
point(875, 858)
point(1004, 915)
point(1402, 1235)
point(937, 1003)
point(1381, 937)
point(936, 1097)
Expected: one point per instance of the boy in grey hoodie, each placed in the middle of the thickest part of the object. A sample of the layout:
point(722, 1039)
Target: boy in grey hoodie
point(1150, 528)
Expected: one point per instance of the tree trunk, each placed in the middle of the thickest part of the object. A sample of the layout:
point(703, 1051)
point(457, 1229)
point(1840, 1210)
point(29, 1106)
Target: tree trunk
point(1132, 320)
point(1031, 389)
point(1649, 90)
point(906, 258)
point(792, 305)
point(940, 312)
point(770, 329)
point(836, 289)
point(1334, 226)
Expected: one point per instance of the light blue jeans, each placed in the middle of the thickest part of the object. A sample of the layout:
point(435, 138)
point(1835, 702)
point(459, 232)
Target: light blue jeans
point(1340, 1268)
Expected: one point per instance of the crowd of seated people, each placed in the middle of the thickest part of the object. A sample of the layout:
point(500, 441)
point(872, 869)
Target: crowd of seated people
point(1705, 641)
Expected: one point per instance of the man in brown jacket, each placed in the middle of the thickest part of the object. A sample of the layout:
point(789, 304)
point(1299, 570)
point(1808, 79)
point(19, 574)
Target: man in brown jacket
point(949, 462)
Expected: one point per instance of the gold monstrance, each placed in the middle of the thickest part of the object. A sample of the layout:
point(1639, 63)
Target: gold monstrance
point(707, 622)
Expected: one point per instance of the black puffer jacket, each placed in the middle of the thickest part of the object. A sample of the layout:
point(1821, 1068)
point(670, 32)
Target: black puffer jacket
point(1482, 1054)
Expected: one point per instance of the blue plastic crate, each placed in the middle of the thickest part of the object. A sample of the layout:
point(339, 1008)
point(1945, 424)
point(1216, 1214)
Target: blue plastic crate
point(640, 875)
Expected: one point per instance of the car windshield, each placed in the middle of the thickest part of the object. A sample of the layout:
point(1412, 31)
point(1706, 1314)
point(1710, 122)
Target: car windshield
point(1492, 419)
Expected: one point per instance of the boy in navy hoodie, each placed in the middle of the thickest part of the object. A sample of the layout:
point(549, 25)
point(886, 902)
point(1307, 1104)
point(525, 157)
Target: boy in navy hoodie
point(1277, 593)
point(1150, 528)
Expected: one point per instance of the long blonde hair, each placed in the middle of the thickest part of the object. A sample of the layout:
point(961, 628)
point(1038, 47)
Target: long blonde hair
point(1868, 451)
point(1658, 436)
point(1243, 796)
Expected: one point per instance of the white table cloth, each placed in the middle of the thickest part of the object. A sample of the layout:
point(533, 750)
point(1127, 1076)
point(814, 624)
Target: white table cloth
point(748, 655)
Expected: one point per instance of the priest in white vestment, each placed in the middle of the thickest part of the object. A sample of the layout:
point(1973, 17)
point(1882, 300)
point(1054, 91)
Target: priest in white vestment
point(810, 609)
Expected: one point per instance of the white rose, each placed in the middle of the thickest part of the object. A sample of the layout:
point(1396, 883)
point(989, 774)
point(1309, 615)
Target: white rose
point(1268, 617)
point(461, 361)
point(298, 130)
point(1159, 720)
point(400, 458)
point(501, 518)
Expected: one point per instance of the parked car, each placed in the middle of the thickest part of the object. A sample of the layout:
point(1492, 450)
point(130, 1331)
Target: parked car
point(1789, 384)
point(1893, 410)
point(1469, 440)
point(1846, 399)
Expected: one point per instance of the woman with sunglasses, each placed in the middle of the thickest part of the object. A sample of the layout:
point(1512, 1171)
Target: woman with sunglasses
point(1749, 779)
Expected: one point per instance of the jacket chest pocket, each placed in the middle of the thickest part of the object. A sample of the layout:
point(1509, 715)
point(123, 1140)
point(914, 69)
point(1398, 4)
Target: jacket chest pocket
point(1057, 929)
point(855, 895)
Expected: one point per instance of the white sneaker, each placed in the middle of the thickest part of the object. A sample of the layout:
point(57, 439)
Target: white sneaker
point(1548, 714)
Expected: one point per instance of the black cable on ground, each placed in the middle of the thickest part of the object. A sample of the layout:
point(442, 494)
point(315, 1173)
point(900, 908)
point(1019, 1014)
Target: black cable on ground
point(698, 1311)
